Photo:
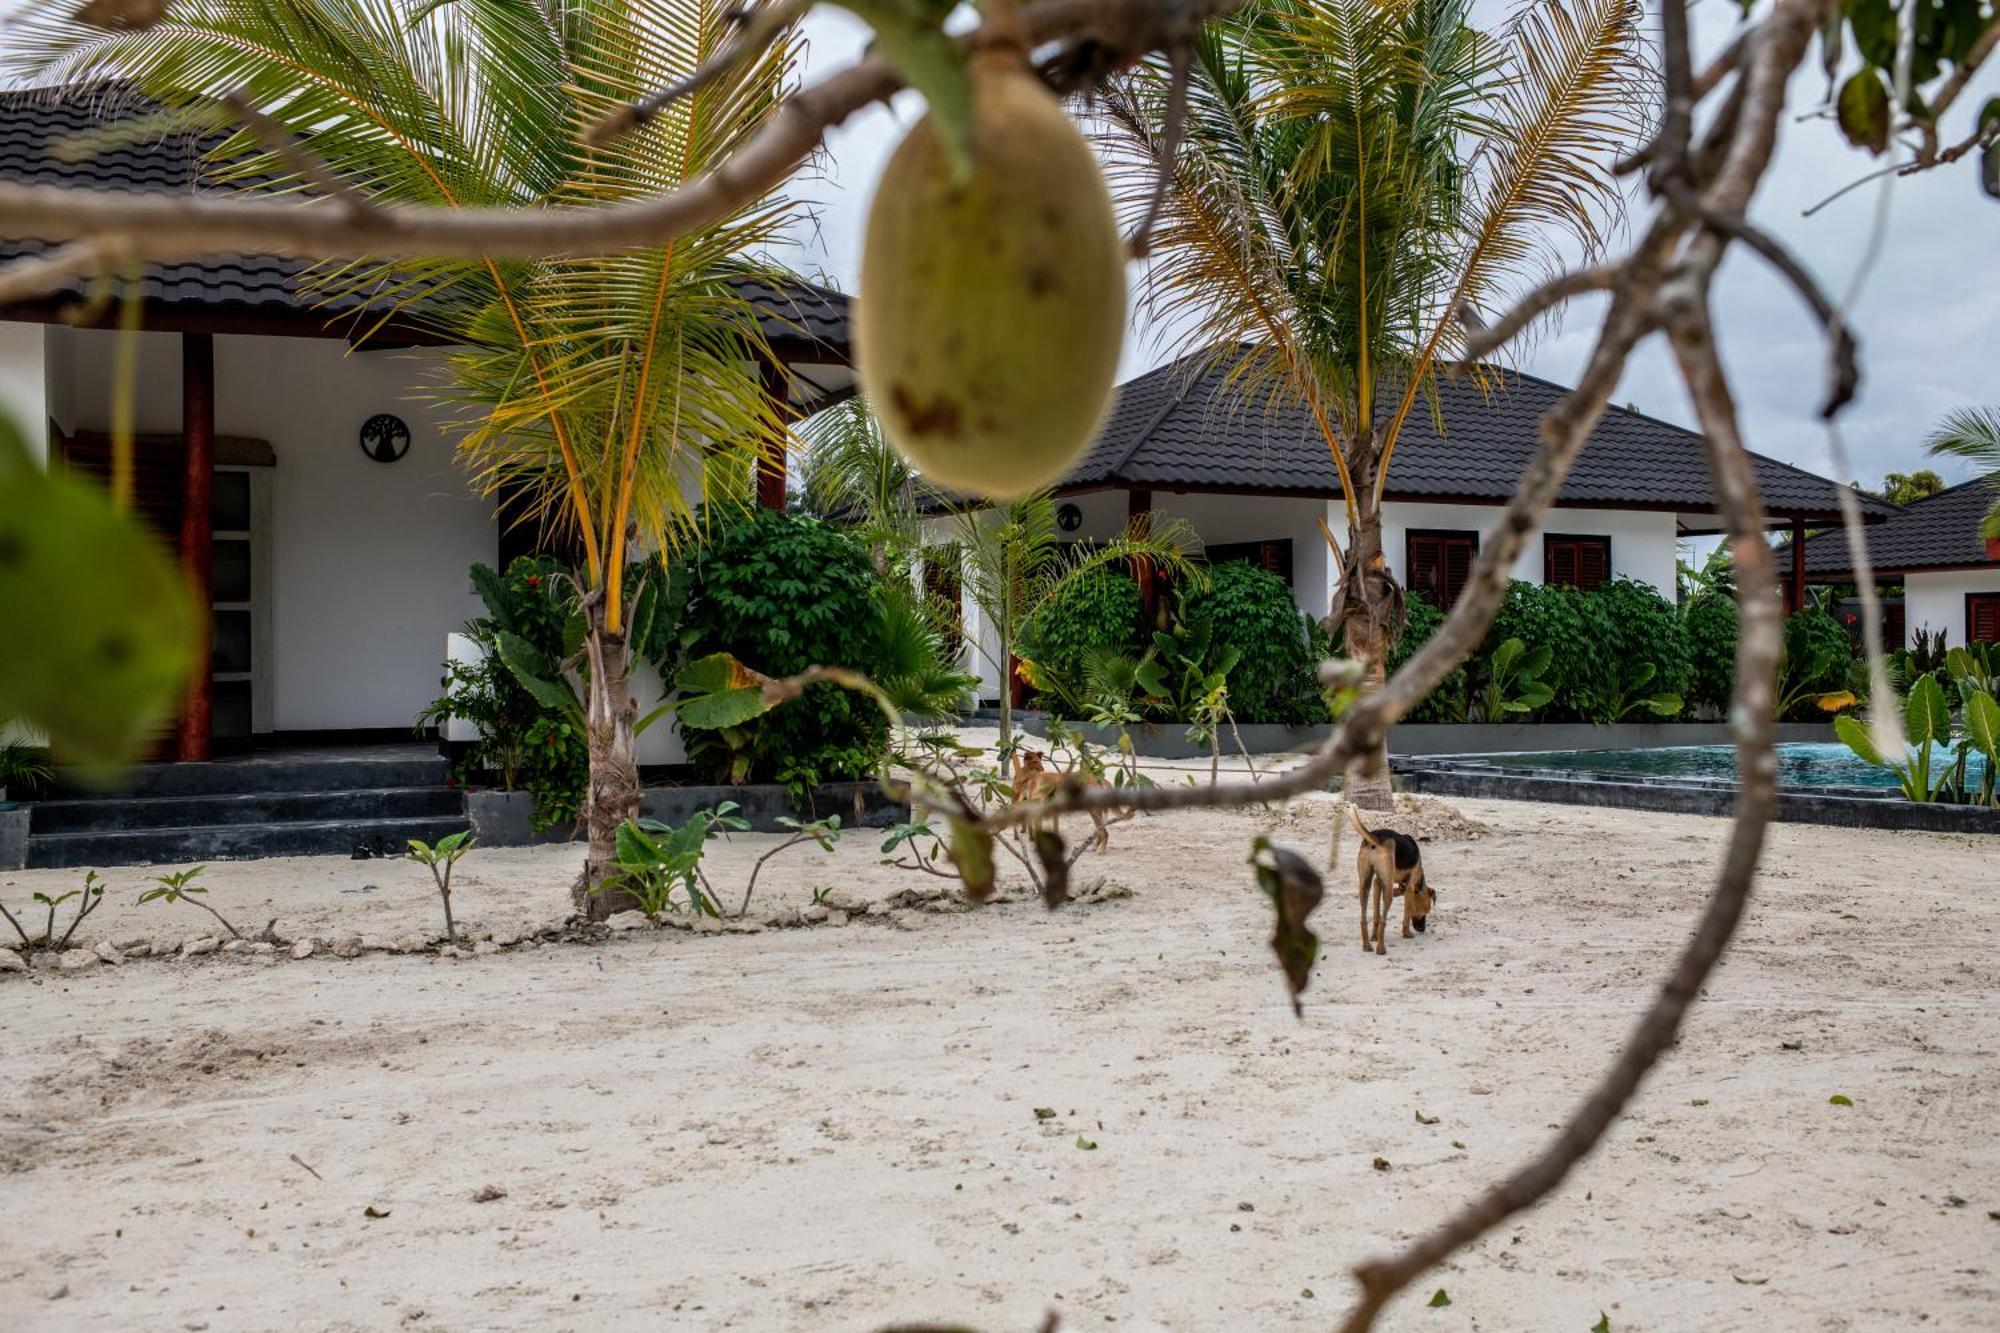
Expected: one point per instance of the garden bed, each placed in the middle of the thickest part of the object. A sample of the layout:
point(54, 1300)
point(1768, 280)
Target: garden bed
point(501, 818)
point(1169, 740)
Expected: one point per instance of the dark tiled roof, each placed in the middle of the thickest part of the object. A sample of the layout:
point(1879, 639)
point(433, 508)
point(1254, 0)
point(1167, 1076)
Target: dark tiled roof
point(34, 123)
point(1185, 425)
point(1939, 532)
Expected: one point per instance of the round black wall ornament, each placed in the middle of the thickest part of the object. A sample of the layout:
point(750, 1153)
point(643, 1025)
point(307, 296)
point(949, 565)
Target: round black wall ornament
point(1069, 518)
point(384, 437)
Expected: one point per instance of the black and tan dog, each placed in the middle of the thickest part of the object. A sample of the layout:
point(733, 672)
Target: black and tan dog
point(1390, 865)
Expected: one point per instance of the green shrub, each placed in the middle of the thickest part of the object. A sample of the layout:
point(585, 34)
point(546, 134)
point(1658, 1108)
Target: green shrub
point(782, 592)
point(1448, 702)
point(1711, 631)
point(1574, 628)
point(1647, 644)
point(1096, 611)
point(1251, 610)
point(1818, 655)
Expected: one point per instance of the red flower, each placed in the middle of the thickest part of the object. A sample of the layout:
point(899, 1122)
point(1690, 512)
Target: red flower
point(534, 580)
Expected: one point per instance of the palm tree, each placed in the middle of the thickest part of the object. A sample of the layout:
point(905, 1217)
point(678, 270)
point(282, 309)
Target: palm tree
point(1360, 180)
point(851, 476)
point(614, 394)
point(1013, 562)
point(1973, 433)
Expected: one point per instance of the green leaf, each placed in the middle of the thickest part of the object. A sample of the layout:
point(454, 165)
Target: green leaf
point(99, 624)
point(532, 668)
point(715, 673)
point(1666, 705)
point(1536, 663)
point(1854, 734)
point(1295, 890)
point(910, 35)
point(1927, 714)
point(1504, 656)
point(971, 851)
point(1438, 1300)
point(1535, 694)
point(1863, 111)
point(1088, 1145)
point(1603, 1324)
point(1840, 1099)
point(636, 849)
point(1982, 724)
point(728, 708)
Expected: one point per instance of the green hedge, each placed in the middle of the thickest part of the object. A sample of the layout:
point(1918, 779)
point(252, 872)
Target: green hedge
point(1098, 610)
point(782, 592)
point(1449, 701)
point(1711, 630)
point(1251, 610)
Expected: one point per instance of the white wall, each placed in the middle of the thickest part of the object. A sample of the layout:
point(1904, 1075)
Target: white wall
point(24, 386)
point(1643, 543)
point(370, 559)
point(1937, 601)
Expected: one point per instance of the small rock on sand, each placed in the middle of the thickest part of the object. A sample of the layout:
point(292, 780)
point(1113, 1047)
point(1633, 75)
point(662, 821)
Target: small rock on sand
point(488, 1193)
point(199, 944)
point(485, 948)
point(622, 921)
point(12, 962)
point(236, 946)
point(107, 953)
point(303, 949)
point(706, 925)
point(75, 960)
point(345, 946)
point(744, 927)
point(817, 914)
point(904, 920)
point(416, 942)
point(840, 900)
point(136, 945)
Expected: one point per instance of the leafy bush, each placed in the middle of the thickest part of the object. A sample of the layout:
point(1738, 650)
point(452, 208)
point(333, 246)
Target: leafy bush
point(1818, 656)
point(1251, 610)
point(1711, 631)
point(1650, 662)
point(1448, 702)
point(1095, 612)
point(782, 592)
point(1571, 625)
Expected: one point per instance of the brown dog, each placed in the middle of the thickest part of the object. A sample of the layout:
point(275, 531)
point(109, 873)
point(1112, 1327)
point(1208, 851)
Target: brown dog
point(1033, 780)
point(1390, 864)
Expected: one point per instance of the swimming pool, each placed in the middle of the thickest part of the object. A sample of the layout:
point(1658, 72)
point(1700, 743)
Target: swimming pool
point(1800, 764)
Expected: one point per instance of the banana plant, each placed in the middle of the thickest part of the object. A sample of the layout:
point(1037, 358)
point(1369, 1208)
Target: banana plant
point(1981, 715)
point(1513, 681)
point(1975, 668)
point(1926, 725)
point(1628, 695)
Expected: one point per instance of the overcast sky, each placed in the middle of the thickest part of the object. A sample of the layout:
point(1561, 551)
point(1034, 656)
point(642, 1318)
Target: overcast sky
point(1928, 318)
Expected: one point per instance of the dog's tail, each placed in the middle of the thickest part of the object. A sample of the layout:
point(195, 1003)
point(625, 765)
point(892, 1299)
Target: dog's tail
point(1354, 818)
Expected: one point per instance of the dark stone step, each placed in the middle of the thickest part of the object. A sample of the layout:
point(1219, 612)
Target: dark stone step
point(230, 842)
point(242, 777)
point(106, 814)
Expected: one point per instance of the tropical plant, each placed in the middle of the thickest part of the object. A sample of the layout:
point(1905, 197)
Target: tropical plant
point(1981, 715)
point(1812, 672)
point(1926, 722)
point(1574, 626)
point(1513, 684)
point(1252, 610)
point(1014, 563)
point(912, 662)
point(1906, 488)
point(1357, 181)
point(609, 393)
point(86, 898)
point(179, 886)
point(1715, 576)
point(823, 833)
point(1646, 644)
point(1711, 632)
point(656, 859)
point(23, 767)
point(1973, 433)
point(854, 479)
point(782, 592)
point(1927, 652)
point(440, 859)
point(1974, 668)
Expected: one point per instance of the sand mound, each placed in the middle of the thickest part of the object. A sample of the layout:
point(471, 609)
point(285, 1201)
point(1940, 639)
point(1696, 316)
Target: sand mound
point(1425, 818)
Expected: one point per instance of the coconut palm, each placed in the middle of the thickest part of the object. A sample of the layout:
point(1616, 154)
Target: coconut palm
point(1973, 433)
point(852, 477)
point(1361, 180)
point(613, 394)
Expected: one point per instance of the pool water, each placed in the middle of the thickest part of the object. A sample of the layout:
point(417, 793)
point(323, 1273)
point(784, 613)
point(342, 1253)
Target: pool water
point(1800, 764)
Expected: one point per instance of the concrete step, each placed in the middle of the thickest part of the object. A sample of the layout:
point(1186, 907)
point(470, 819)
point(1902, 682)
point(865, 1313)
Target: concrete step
point(228, 842)
point(242, 777)
point(111, 814)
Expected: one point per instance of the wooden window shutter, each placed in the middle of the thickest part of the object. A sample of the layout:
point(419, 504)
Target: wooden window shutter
point(1440, 564)
point(1576, 562)
point(1982, 617)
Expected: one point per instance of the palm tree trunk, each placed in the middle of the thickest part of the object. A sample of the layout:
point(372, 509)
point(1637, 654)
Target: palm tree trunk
point(611, 795)
point(1370, 607)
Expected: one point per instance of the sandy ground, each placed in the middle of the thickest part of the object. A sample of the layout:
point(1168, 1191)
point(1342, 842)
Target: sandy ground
point(830, 1128)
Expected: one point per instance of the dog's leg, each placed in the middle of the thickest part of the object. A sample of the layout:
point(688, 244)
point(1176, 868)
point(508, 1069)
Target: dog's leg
point(1409, 887)
point(1381, 913)
point(1367, 884)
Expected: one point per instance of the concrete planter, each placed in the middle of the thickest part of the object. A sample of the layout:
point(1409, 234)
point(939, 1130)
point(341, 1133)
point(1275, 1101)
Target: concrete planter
point(501, 818)
point(1166, 740)
point(13, 837)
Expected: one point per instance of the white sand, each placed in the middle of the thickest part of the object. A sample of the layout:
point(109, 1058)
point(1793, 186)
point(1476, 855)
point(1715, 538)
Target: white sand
point(831, 1128)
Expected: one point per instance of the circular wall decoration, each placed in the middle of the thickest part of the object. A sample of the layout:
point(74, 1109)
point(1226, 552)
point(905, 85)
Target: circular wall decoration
point(384, 437)
point(1069, 518)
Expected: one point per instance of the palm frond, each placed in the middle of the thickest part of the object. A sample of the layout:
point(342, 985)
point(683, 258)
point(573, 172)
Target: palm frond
point(1973, 433)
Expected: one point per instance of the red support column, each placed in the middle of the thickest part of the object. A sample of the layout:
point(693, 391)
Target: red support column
point(771, 458)
point(1795, 595)
point(197, 532)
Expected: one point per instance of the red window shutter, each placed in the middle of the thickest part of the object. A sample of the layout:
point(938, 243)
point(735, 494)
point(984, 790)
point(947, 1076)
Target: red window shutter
point(1982, 617)
point(1457, 569)
point(1559, 563)
point(1425, 566)
point(1593, 563)
point(1576, 562)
